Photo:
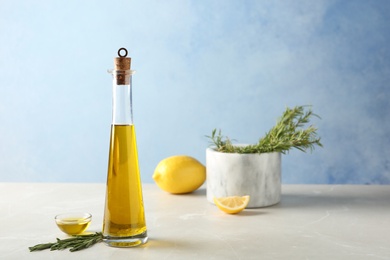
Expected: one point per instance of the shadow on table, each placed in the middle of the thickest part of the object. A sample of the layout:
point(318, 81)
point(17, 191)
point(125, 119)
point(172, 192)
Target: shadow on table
point(251, 212)
point(199, 192)
point(161, 243)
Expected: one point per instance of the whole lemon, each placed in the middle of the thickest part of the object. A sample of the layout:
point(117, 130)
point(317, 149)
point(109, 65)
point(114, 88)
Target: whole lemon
point(179, 174)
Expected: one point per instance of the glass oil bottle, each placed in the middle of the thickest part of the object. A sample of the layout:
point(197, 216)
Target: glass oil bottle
point(124, 222)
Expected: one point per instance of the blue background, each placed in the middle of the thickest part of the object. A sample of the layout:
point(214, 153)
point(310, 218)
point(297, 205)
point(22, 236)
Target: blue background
point(233, 65)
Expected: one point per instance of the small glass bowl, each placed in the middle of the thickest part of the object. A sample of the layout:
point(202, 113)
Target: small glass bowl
point(73, 223)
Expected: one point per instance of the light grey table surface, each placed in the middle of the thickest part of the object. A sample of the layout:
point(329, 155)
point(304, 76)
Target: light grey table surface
point(311, 222)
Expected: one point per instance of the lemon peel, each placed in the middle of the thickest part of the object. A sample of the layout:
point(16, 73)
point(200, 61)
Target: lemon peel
point(179, 174)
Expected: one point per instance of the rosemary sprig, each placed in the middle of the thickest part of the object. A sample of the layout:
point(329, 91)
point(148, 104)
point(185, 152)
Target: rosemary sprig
point(75, 243)
point(286, 134)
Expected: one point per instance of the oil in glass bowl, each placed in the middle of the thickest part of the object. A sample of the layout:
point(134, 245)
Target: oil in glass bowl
point(73, 223)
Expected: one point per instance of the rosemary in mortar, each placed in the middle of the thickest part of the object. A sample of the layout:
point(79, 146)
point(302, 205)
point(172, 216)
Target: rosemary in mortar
point(286, 134)
point(75, 243)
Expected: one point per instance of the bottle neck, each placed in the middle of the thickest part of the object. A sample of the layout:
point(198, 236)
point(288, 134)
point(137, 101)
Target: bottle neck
point(122, 109)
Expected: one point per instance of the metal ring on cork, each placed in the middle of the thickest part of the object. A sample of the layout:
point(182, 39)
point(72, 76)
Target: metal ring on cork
point(122, 68)
point(119, 52)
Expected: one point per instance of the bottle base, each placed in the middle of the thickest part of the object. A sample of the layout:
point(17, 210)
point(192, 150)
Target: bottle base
point(131, 241)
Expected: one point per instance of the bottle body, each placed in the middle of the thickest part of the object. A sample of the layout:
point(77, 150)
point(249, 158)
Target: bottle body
point(124, 222)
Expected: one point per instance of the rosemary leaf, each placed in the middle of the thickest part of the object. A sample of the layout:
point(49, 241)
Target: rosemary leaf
point(75, 243)
point(288, 133)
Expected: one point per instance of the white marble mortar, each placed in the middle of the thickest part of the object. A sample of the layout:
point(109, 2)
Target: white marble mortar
point(256, 175)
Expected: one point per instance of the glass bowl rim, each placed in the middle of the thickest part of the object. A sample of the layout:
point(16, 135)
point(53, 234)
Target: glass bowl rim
point(79, 215)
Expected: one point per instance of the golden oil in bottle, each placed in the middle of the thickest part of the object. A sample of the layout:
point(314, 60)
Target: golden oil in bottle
point(124, 216)
point(124, 219)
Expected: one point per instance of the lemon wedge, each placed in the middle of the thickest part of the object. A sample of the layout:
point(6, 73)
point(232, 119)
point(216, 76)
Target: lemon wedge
point(233, 204)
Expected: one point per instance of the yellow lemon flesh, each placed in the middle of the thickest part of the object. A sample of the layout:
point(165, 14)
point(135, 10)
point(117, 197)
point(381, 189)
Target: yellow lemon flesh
point(233, 204)
point(179, 174)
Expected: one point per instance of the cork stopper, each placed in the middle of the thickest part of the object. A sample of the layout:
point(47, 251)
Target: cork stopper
point(122, 62)
point(122, 66)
